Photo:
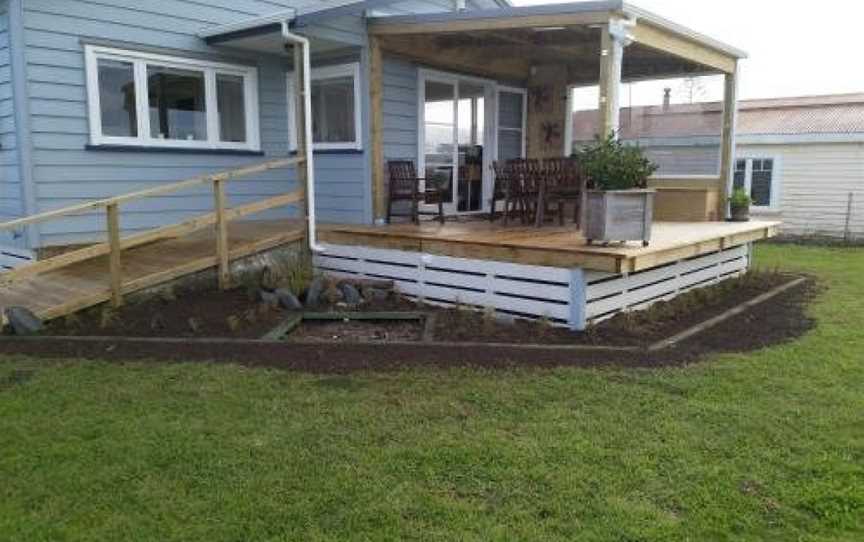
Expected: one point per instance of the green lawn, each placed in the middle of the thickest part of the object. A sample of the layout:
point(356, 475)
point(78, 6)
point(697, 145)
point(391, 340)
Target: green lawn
point(768, 445)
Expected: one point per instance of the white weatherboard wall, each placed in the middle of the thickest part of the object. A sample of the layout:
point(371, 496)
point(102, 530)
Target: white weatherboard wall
point(814, 182)
point(566, 297)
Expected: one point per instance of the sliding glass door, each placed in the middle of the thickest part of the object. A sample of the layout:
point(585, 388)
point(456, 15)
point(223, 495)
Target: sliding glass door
point(454, 138)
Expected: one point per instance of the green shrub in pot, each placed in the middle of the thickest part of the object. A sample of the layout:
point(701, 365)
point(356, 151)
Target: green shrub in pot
point(619, 207)
point(739, 205)
point(612, 165)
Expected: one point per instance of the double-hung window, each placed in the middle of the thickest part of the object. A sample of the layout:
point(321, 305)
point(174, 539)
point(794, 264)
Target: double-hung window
point(148, 100)
point(758, 177)
point(335, 108)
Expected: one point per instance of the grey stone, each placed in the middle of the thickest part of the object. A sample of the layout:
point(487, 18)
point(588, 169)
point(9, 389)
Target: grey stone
point(271, 299)
point(313, 294)
point(288, 300)
point(375, 294)
point(23, 321)
point(352, 296)
point(333, 295)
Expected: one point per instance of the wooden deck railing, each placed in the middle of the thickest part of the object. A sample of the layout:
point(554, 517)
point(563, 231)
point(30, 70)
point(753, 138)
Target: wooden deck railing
point(116, 244)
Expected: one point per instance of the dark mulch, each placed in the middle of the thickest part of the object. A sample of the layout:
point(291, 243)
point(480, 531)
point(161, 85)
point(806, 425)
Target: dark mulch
point(357, 331)
point(236, 314)
point(780, 319)
point(662, 320)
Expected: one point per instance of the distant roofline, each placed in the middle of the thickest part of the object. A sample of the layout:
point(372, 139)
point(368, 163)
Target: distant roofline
point(813, 100)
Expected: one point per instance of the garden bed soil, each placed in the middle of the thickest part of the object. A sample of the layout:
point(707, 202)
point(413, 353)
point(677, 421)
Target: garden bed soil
point(339, 331)
point(779, 319)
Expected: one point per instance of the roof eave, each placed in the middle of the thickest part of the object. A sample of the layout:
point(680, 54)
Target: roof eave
point(247, 25)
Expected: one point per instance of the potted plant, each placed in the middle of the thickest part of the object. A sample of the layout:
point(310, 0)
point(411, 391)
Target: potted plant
point(619, 206)
point(739, 205)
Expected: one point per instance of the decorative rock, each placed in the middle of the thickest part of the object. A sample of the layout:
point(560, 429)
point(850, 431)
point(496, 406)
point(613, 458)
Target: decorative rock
point(375, 294)
point(350, 293)
point(378, 284)
point(333, 295)
point(23, 321)
point(271, 299)
point(288, 300)
point(313, 294)
point(269, 281)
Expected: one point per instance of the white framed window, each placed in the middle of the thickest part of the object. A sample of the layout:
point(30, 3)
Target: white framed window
point(149, 100)
point(336, 108)
point(512, 116)
point(760, 177)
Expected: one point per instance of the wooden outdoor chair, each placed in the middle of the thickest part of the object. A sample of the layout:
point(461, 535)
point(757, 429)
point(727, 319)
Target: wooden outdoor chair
point(405, 185)
point(563, 183)
point(507, 187)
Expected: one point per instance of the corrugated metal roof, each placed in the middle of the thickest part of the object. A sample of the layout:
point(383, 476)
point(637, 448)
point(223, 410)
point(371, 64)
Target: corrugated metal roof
point(808, 115)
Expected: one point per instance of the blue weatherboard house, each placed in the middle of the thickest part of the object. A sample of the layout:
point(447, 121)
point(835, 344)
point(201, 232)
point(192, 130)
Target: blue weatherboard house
point(106, 106)
point(100, 99)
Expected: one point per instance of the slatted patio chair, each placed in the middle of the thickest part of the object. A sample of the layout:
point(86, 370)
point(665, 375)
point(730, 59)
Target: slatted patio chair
point(563, 183)
point(507, 187)
point(405, 185)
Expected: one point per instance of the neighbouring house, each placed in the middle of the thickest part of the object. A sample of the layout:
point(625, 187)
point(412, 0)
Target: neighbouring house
point(98, 100)
point(801, 159)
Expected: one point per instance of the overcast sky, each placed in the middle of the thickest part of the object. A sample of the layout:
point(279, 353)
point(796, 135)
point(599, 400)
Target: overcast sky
point(795, 47)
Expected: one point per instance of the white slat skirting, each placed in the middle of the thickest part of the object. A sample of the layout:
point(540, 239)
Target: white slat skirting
point(566, 297)
point(519, 290)
point(607, 295)
point(11, 257)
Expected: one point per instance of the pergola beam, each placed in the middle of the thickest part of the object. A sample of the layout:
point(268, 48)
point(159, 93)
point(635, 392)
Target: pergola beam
point(385, 27)
point(663, 40)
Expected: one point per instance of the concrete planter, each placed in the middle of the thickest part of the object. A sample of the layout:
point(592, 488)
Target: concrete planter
point(740, 213)
point(619, 215)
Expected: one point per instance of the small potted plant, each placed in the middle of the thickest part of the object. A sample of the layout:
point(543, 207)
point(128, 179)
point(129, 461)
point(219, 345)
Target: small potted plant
point(739, 205)
point(619, 206)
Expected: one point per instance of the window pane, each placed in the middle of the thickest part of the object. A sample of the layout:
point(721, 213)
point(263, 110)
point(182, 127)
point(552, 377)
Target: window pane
point(761, 188)
point(117, 99)
point(230, 97)
point(333, 110)
point(178, 108)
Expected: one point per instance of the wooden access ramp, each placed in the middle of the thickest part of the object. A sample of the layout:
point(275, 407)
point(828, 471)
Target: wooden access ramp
point(108, 271)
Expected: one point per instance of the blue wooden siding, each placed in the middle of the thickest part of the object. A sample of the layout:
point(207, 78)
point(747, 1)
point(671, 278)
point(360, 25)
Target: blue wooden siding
point(10, 179)
point(400, 96)
point(65, 173)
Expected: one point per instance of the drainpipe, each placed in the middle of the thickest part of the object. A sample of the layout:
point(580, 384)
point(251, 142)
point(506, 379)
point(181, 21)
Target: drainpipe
point(294, 40)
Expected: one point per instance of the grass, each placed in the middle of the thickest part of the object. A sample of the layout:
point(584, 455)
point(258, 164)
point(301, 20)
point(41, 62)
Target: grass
point(762, 446)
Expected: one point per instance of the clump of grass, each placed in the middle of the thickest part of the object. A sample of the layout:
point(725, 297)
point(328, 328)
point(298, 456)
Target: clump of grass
point(194, 325)
point(157, 322)
point(168, 294)
point(233, 322)
point(106, 318)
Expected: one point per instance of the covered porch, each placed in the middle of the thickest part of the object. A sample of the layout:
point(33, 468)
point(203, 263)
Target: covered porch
point(524, 61)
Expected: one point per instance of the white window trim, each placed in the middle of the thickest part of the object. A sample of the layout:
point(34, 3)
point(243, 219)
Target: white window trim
point(775, 179)
point(140, 61)
point(329, 72)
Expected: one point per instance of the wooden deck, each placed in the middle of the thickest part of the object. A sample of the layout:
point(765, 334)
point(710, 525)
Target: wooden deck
point(84, 284)
point(552, 246)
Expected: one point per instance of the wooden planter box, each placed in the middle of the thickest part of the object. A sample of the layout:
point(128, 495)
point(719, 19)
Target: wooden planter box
point(619, 215)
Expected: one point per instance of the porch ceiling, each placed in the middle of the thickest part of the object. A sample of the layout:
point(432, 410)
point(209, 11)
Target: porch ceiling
point(511, 54)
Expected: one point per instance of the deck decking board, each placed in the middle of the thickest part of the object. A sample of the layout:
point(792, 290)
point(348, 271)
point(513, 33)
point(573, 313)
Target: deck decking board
point(551, 246)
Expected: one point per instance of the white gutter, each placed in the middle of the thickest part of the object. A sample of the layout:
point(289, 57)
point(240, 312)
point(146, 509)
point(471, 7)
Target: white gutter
point(303, 43)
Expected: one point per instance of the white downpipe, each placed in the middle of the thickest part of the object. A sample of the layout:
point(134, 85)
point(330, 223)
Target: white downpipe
point(295, 41)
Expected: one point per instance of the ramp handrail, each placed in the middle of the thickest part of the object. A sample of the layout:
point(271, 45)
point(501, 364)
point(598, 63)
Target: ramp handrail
point(115, 244)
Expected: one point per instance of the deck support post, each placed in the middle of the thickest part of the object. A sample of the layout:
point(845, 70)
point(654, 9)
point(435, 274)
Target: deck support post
point(224, 270)
point(577, 321)
point(376, 120)
point(611, 62)
point(727, 146)
point(115, 263)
